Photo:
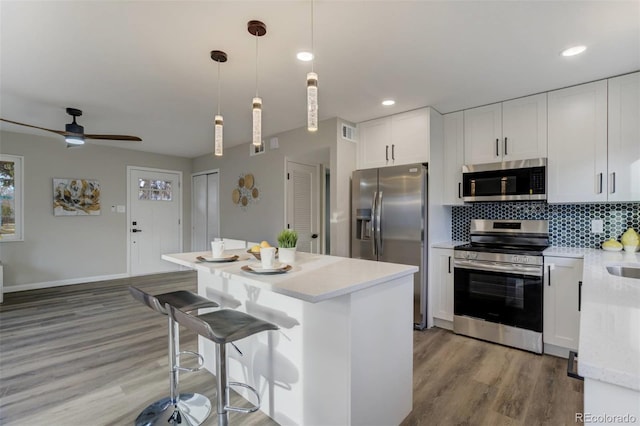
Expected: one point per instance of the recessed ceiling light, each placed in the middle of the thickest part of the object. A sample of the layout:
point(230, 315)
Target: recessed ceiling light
point(575, 50)
point(305, 56)
point(388, 102)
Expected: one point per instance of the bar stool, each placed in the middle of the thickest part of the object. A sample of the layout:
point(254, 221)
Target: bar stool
point(189, 409)
point(222, 327)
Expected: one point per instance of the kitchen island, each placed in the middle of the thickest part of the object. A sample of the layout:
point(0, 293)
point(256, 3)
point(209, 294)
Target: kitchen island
point(344, 351)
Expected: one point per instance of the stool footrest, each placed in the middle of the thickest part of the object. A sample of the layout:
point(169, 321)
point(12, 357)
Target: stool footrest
point(196, 354)
point(256, 407)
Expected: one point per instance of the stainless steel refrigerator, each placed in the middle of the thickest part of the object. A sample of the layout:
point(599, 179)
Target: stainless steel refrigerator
point(389, 222)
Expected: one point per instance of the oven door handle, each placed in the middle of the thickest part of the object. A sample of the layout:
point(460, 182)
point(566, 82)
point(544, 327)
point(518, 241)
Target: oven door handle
point(498, 267)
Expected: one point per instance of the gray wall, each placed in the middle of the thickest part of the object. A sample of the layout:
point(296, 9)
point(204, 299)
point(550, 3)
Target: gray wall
point(64, 249)
point(264, 219)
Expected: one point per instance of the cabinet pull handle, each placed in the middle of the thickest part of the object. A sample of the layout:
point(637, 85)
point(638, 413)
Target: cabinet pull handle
point(505, 145)
point(613, 182)
point(449, 264)
point(579, 295)
point(459, 189)
point(393, 152)
point(497, 147)
point(600, 179)
point(386, 147)
point(549, 275)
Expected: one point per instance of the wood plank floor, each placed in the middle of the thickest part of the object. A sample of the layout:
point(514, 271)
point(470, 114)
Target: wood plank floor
point(90, 354)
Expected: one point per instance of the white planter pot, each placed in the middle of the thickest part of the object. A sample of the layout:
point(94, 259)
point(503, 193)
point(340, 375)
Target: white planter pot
point(287, 255)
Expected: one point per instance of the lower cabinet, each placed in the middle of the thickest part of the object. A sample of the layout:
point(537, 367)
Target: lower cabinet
point(562, 294)
point(441, 283)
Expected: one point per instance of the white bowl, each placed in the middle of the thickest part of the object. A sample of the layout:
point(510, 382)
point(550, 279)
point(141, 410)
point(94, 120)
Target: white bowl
point(630, 249)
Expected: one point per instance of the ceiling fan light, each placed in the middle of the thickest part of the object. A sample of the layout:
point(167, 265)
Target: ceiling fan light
point(74, 139)
point(218, 136)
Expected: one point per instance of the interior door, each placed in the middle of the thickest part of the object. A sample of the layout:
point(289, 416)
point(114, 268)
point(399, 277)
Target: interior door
point(154, 219)
point(205, 210)
point(303, 206)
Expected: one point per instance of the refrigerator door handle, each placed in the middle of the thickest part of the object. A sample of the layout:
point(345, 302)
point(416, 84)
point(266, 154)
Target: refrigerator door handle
point(379, 224)
point(373, 225)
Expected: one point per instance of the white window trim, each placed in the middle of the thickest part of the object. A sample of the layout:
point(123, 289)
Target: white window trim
point(18, 160)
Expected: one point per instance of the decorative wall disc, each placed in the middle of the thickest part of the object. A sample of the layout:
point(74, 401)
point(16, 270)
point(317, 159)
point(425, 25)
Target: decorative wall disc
point(248, 181)
point(235, 196)
point(246, 191)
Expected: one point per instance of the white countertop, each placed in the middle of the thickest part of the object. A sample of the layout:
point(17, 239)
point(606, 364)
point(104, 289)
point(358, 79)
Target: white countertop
point(314, 277)
point(448, 244)
point(609, 348)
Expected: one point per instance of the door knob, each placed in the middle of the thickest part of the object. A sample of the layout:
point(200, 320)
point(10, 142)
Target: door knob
point(314, 235)
point(136, 230)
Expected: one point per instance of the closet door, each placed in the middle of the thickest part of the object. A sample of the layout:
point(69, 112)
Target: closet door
point(205, 211)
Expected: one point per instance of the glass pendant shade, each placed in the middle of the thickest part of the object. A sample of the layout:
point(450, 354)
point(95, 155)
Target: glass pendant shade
point(218, 136)
point(312, 101)
point(257, 121)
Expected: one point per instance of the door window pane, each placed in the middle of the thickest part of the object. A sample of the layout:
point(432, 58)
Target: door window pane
point(11, 219)
point(155, 190)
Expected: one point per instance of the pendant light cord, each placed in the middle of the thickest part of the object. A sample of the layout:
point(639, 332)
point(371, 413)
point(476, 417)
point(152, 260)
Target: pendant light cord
point(256, 35)
point(219, 100)
point(313, 51)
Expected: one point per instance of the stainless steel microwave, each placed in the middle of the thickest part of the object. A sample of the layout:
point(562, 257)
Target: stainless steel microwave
point(521, 180)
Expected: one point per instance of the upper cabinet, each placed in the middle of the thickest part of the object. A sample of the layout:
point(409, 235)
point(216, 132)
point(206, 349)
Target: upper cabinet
point(453, 158)
point(397, 139)
point(577, 163)
point(624, 138)
point(506, 131)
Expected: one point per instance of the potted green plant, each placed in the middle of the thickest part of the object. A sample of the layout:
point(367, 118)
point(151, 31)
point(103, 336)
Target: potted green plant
point(287, 241)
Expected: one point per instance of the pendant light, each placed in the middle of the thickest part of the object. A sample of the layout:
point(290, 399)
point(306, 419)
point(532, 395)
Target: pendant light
point(312, 88)
point(257, 29)
point(218, 56)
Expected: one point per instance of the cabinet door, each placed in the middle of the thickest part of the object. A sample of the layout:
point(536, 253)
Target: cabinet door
point(624, 138)
point(483, 134)
point(561, 297)
point(442, 283)
point(409, 137)
point(374, 143)
point(577, 159)
point(453, 158)
point(524, 128)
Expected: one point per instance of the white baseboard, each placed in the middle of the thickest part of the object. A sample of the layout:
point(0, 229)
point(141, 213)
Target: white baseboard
point(48, 284)
point(440, 323)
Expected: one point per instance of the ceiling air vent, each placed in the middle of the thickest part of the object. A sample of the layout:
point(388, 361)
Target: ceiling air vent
point(348, 132)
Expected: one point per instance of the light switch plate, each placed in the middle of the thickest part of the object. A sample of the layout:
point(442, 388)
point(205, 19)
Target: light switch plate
point(597, 226)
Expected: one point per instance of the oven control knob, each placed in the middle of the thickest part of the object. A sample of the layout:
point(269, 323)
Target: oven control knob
point(525, 259)
point(516, 259)
point(473, 255)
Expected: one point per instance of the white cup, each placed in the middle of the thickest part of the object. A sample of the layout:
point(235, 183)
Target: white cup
point(217, 248)
point(267, 256)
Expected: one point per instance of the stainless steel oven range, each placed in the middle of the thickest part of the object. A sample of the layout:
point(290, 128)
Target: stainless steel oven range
point(498, 281)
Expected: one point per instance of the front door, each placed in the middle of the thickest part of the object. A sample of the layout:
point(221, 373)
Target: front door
point(154, 219)
point(303, 207)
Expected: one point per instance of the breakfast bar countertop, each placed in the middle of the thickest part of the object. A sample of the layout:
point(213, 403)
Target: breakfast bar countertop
point(313, 278)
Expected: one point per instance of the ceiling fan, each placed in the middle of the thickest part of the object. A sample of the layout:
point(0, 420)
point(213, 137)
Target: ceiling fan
point(74, 133)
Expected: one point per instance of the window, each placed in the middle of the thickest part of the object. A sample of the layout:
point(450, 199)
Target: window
point(11, 191)
point(154, 190)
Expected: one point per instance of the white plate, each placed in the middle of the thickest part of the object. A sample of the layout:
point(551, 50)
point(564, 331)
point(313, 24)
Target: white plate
point(228, 258)
point(612, 249)
point(277, 266)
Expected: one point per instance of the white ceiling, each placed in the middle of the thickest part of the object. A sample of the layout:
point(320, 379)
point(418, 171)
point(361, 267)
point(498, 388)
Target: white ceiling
point(143, 67)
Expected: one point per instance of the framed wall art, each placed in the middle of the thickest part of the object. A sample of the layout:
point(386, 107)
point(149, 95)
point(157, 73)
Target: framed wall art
point(76, 197)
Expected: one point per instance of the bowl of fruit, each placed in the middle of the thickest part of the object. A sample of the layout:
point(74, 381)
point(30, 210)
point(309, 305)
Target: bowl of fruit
point(255, 250)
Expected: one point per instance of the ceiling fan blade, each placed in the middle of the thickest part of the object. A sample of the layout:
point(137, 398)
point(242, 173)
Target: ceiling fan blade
point(114, 137)
point(59, 132)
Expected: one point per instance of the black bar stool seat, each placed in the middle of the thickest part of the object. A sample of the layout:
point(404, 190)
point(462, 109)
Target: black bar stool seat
point(190, 409)
point(222, 327)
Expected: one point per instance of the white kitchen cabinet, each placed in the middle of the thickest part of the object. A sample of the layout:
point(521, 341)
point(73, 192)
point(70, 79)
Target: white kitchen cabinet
point(562, 293)
point(453, 158)
point(506, 131)
point(441, 266)
point(623, 145)
point(396, 139)
point(577, 159)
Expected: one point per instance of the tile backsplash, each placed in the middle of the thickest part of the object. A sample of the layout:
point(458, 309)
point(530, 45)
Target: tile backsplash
point(569, 224)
